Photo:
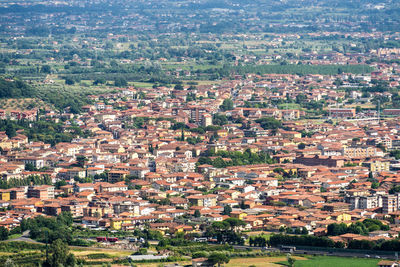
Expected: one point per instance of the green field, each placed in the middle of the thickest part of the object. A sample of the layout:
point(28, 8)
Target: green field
point(289, 106)
point(14, 236)
point(326, 261)
point(141, 84)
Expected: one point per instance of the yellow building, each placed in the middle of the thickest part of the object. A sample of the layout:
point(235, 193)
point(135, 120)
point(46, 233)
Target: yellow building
point(254, 149)
point(67, 189)
point(341, 217)
point(4, 195)
point(238, 214)
point(292, 170)
point(203, 200)
point(290, 134)
point(117, 223)
point(377, 165)
point(360, 152)
point(222, 133)
point(96, 211)
point(6, 144)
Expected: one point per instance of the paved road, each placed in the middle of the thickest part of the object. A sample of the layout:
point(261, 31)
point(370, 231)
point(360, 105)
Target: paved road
point(24, 237)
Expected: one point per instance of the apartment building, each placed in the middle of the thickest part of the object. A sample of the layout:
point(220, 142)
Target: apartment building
point(41, 192)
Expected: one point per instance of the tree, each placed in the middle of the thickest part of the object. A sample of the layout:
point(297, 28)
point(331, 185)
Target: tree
point(60, 183)
point(100, 80)
point(178, 87)
point(120, 82)
point(65, 218)
point(69, 81)
point(81, 161)
point(10, 263)
point(59, 255)
point(197, 214)
point(269, 123)
point(45, 69)
point(71, 260)
point(395, 189)
point(235, 223)
point(395, 154)
point(361, 244)
point(301, 146)
point(16, 88)
point(370, 175)
point(30, 167)
point(290, 260)
point(227, 104)
point(50, 229)
point(10, 130)
point(218, 258)
point(301, 98)
point(4, 233)
point(227, 210)
point(219, 119)
point(199, 254)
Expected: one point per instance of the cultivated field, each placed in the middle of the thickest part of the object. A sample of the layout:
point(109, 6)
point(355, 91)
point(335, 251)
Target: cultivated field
point(322, 261)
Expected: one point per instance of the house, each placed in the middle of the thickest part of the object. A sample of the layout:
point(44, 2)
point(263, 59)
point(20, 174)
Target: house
point(67, 189)
point(201, 262)
point(41, 192)
point(5, 194)
point(387, 263)
point(68, 174)
point(330, 161)
point(83, 187)
point(342, 113)
point(203, 200)
point(117, 175)
point(238, 214)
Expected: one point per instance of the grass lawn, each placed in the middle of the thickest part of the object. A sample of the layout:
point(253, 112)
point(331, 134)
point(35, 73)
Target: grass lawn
point(326, 261)
point(14, 236)
point(141, 84)
point(252, 233)
point(289, 106)
point(111, 252)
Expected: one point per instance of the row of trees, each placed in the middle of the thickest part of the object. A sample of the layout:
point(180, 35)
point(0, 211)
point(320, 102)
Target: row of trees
point(32, 179)
point(227, 231)
point(303, 240)
point(313, 241)
point(361, 228)
point(236, 158)
point(388, 245)
point(258, 241)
